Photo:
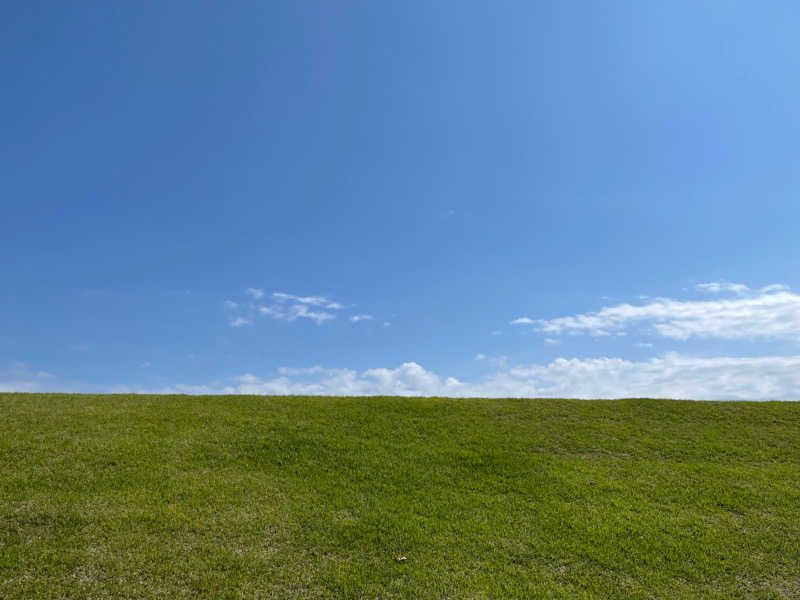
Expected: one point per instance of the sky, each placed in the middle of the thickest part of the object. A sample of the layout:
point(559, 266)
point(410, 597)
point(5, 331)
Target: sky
point(576, 199)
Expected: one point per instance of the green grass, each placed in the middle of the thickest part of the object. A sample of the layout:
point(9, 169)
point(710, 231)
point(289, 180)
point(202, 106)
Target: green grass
point(290, 497)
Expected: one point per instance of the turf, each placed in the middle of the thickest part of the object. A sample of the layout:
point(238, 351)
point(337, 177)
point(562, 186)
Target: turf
point(292, 497)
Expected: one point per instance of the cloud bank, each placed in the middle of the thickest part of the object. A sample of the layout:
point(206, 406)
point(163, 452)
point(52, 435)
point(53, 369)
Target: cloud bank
point(667, 376)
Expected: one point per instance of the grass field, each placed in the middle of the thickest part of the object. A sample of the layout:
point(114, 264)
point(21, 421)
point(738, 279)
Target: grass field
point(289, 497)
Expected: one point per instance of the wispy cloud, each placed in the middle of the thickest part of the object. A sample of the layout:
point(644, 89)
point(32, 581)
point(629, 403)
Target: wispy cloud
point(254, 293)
point(308, 300)
point(522, 321)
point(718, 287)
point(775, 287)
point(292, 312)
point(20, 377)
point(357, 318)
point(280, 306)
point(294, 371)
point(17, 368)
point(771, 312)
point(21, 386)
point(288, 307)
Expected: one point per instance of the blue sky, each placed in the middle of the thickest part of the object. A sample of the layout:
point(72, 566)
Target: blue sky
point(516, 198)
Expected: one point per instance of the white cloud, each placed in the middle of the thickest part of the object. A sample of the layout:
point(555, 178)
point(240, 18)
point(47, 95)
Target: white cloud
point(301, 312)
point(775, 287)
point(718, 287)
point(670, 376)
point(280, 296)
point(667, 376)
point(551, 341)
point(498, 362)
point(480, 356)
point(522, 321)
point(254, 293)
point(740, 289)
point(315, 370)
point(409, 379)
point(293, 312)
point(286, 307)
point(309, 300)
point(357, 318)
point(644, 344)
point(772, 312)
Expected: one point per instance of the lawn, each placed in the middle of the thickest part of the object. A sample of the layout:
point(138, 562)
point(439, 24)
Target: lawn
point(292, 497)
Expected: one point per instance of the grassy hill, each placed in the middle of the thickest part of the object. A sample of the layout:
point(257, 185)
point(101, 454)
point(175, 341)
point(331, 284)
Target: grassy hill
point(290, 497)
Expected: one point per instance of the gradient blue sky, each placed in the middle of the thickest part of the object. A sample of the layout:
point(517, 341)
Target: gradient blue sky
point(523, 198)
